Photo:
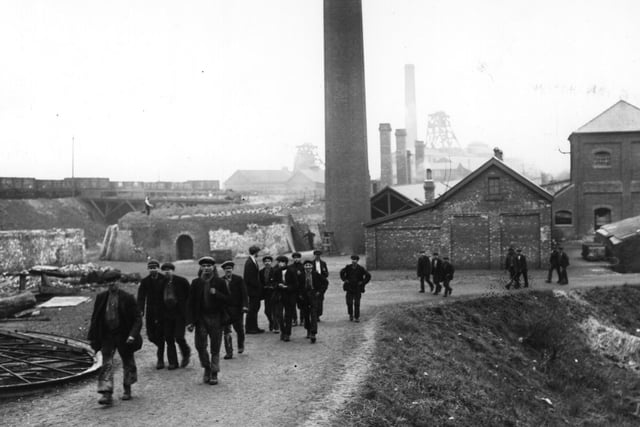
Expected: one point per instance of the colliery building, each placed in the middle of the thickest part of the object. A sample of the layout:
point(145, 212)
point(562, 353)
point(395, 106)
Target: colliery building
point(474, 222)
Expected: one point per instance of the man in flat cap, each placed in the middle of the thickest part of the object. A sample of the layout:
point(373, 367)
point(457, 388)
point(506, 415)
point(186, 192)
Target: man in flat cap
point(251, 278)
point(268, 292)
point(424, 270)
point(436, 272)
point(447, 275)
point(320, 267)
point(286, 280)
point(115, 325)
point(312, 286)
point(296, 264)
point(238, 306)
point(151, 304)
point(521, 269)
point(176, 293)
point(355, 278)
point(207, 313)
point(563, 262)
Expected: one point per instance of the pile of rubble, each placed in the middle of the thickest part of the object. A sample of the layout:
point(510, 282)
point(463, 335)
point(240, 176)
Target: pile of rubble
point(74, 277)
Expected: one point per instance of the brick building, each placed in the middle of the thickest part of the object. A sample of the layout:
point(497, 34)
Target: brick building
point(605, 174)
point(474, 223)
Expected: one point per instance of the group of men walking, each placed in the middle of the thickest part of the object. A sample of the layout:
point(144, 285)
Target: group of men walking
point(212, 306)
point(437, 272)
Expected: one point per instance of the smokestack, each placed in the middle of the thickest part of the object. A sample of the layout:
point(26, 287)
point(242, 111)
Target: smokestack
point(419, 159)
point(429, 188)
point(401, 156)
point(386, 172)
point(410, 118)
point(497, 153)
point(409, 175)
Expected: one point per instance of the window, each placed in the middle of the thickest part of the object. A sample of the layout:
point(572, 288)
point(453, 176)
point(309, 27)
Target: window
point(601, 159)
point(601, 216)
point(494, 186)
point(563, 218)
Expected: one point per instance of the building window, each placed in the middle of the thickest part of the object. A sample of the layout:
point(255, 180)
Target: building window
point(494, 186)
point(602, 159)
point(601, 216)
point(563, 218)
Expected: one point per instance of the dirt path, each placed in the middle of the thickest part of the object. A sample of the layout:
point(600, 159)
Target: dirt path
point(273, 383)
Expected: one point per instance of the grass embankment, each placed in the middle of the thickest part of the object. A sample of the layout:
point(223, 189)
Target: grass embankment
point(518, 359)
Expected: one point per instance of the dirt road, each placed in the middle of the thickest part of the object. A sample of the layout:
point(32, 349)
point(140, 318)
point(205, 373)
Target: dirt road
point(274, 383)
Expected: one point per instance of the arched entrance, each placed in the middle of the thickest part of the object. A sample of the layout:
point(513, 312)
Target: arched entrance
point(184, 247)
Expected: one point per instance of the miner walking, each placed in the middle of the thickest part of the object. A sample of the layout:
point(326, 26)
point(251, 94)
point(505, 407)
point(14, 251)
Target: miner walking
point(355, 278)
point(175, 295)
point(151, 304)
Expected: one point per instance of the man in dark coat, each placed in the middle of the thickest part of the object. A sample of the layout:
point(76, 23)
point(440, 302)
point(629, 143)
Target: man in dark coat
point(151, 304)
point(286, 280)
point(436, 272)
point(268, 291)
point(510, 266)
point(311, 287)
point(521, 269)
point(296, 264)
point(320, 267)
point(206, 312)
point(563, 262)
point(554, 264)
point(447, 275)
point(176, 293)
point(238, 306)
point(424, 271)
point(251, 278)
point(355, 278)
point(115, 324)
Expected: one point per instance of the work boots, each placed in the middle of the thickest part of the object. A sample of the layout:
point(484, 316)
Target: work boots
point(214, 378)
point(206, 376)
point(127, 393)
point(228, 346)
point(106, 399)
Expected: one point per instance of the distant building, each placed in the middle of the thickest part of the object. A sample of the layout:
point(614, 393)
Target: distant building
point(605, 174)
point(474, 223)
point(307, 182)
point(259, 181)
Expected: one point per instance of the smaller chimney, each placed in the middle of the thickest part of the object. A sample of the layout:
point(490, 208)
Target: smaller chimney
point(429, 188)
point(497, 153)
point(409, 169)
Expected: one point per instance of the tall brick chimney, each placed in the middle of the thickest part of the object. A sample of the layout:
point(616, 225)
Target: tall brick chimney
point(410, 113)
point(429, 187)
point(409, 169)
point(386, 169)
point(401, 157)
point(419, 159)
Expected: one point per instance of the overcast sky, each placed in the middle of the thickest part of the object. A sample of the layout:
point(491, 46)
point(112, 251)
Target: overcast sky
point(178, 90)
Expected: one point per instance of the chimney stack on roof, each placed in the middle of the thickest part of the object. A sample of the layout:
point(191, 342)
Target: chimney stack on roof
point(497, 153)
point(429, 188)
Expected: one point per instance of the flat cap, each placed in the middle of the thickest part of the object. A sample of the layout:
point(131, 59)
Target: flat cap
point(355, 257)
point(307, 261)
point(296, 255)
point(167, 266)
point(254, 250)
point(317, 252)
point(153, 263)
point(267, 258)
point(207, 260)
point(282, 258)
point(228, 264)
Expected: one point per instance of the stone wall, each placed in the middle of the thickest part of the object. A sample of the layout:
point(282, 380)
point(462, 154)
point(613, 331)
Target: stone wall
point(22, 249)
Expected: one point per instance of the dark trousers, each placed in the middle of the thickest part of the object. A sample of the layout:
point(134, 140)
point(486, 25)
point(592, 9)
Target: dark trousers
point(110, 343)
point(252, 315)
point(425, 279)
point(320, 304)
point(564, 280)
point(174, 333)
point(285, 311)
point(237, 326)
point(311, 314)
point(447, 287)
point(353, 303)
point(438, 285)
point(551, 270)
point(270, 310)
point(524, 275)
point(209, 328)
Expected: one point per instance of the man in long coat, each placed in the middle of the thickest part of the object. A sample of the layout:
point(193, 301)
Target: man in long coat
point(268, 291)
point(321, 268)
point(206, 312)
point(115, 325)
point(436, 272)
point(251, 278)
point(151, 304)
point(424, 271)
point(311, 288)
point(175, 295)
point(237, 307)
point(286, 280)
point(521, 269)
point(355, 278)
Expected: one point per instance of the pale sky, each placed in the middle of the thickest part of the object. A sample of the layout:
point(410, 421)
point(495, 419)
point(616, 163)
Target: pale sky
point(179, 90)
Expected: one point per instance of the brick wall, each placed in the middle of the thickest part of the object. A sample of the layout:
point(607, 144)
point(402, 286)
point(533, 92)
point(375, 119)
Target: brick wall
point(394, 244)
point(22, 249)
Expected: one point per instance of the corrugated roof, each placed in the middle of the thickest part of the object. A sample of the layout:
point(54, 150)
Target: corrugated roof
point(620, 117)
point(415, 192)
point(619, 231)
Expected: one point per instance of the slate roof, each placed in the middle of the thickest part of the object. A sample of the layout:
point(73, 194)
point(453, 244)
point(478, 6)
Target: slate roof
point(620, 117)
point(493, 162)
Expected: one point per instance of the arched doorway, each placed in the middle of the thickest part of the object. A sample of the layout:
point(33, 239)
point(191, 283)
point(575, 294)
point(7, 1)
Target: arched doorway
point(184, 247)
